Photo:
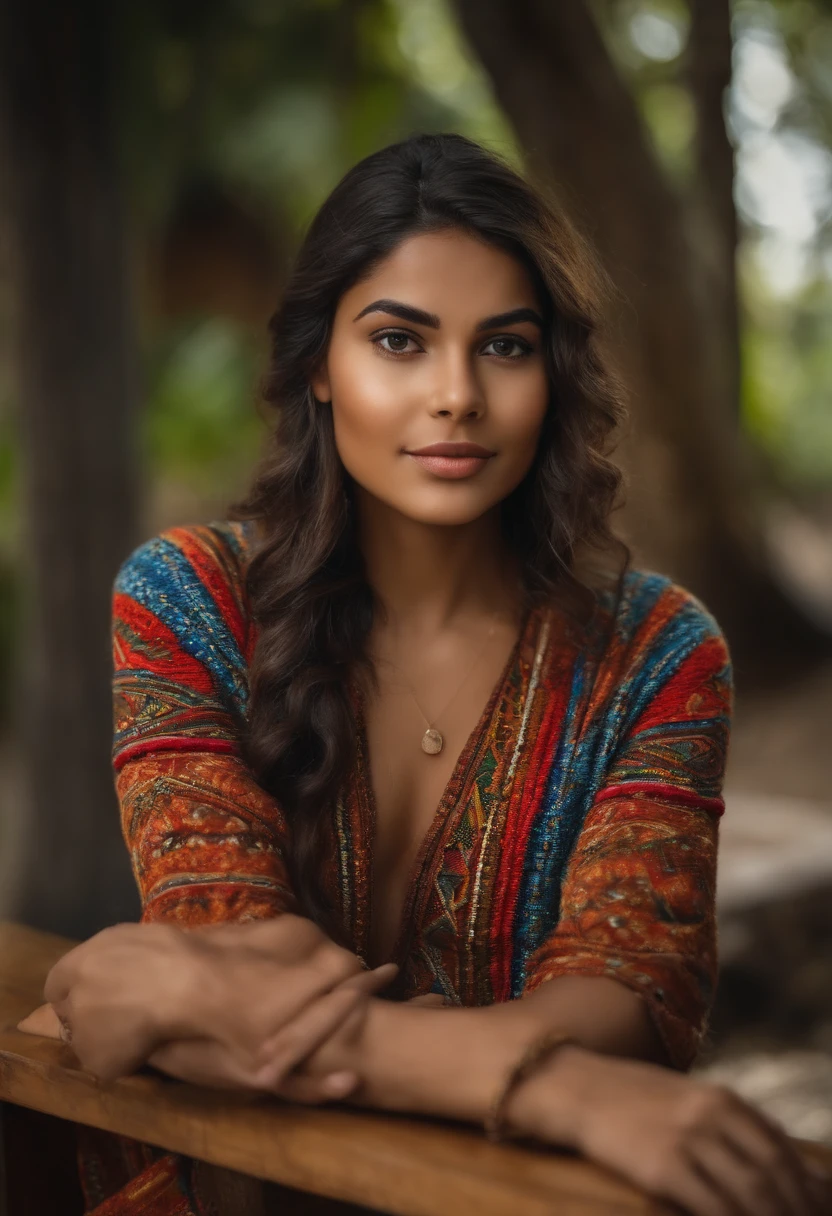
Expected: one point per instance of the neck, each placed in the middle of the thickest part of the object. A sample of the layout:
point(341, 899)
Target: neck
point(431, 576)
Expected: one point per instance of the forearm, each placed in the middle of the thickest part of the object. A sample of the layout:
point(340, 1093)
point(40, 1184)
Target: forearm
point(445, 1062)
point(451, 1062)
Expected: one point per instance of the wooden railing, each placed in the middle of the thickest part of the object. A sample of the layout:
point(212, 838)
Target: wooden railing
point(255, 1148)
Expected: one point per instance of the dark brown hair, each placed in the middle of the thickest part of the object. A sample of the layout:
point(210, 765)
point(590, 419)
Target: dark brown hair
point(306, 581)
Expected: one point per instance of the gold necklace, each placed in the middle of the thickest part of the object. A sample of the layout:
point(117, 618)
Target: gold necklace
point(433, 740)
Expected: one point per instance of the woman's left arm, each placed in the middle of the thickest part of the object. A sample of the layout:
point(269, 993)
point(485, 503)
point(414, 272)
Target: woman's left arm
point(630, 969)
point(638, 900)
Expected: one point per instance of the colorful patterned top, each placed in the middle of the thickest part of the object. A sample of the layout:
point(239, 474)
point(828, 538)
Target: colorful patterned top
point(577, 834)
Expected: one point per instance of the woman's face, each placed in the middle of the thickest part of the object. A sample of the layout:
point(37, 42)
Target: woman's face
point(437, 379)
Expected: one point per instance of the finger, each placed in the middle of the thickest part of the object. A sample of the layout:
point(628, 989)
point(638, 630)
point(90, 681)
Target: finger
point(63, 974)
point(203, 1062)
point(314, 1091)
point(372, 981)
point(43, 1021)
point(687, 1186)
point(744, 1183)
point(277, 1008)
point(765, 1143)
point(428, 1000)
point(301, 1038)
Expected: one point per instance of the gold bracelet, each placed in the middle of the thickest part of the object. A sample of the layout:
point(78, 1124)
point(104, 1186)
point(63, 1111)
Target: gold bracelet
point(534, 1054)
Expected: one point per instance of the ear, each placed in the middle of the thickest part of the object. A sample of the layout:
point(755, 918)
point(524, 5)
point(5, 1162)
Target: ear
point(319, 383)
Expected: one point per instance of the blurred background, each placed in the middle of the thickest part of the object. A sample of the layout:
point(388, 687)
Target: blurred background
point(159, 163)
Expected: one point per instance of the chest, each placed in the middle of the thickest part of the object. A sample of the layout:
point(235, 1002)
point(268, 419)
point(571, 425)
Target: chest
point(412, 789)
point(452, 869)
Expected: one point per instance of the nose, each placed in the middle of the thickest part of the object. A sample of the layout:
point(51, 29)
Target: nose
point(459, 394)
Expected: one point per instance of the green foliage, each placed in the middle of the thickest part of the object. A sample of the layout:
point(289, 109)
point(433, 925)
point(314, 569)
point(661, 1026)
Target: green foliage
point(781, 117)
point(779, 112)
point(201, 423)
point(275, 102)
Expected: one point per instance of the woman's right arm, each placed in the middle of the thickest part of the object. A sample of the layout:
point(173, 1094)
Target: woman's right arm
point(207, 843)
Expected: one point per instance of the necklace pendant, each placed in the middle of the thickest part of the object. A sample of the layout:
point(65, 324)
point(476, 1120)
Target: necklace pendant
point(432, 741)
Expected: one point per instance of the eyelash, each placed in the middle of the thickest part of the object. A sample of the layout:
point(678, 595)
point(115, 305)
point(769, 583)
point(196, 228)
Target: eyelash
point(525, 348)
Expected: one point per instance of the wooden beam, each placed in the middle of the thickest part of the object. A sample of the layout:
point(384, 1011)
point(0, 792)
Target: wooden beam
point(400, 1165)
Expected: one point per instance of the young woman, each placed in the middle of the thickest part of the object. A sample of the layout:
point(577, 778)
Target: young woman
point(408, 725)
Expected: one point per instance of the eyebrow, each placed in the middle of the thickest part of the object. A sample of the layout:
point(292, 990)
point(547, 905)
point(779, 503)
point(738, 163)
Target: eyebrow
point(417, 316)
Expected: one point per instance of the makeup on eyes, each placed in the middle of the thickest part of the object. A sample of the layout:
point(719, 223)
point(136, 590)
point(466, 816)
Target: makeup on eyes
point(526, 348)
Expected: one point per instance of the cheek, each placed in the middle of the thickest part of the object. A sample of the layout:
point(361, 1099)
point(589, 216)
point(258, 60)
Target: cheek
point(517, 426)
point(368, 434)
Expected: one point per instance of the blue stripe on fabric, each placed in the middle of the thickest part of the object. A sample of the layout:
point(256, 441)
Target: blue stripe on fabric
point(680, 728)
point(159, 576)
point(548, 846)
point(237, 535)
point(579, 769)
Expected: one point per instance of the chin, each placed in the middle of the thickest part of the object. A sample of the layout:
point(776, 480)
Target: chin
point(450, 513)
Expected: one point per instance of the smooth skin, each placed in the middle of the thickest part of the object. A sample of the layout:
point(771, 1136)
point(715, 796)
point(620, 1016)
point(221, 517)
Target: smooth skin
point(439, 343)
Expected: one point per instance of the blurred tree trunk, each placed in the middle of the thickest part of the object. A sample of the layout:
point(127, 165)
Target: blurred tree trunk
point(77, 393)
point(714, 217)
point(693, 488)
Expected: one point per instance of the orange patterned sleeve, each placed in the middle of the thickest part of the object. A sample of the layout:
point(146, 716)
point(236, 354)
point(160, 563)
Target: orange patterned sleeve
point(207, 843)
point(638, 896)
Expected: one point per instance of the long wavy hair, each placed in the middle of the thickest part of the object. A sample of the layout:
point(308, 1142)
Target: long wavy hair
point(306, 580)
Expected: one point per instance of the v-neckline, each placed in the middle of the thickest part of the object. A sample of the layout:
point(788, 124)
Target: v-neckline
point(451, 798)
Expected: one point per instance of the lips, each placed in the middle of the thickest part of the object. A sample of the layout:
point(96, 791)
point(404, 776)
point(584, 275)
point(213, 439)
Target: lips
point(452, 461)
point(452, 449)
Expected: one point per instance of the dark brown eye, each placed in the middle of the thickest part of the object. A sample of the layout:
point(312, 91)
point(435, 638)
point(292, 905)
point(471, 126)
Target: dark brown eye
point(393, 336)
point(507, 343)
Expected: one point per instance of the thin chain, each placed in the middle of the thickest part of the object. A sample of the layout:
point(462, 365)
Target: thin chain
point(459, 687)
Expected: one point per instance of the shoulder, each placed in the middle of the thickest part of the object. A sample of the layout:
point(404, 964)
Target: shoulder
point(181, 564)
point(651, 611)
point(661, 642)
point(186, 586)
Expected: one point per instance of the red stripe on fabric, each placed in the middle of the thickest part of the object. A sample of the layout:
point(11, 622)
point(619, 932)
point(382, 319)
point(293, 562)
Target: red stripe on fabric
point(657, 789)
point(197, 546)
point(156, 1191)
point(163, 743)
point(692, 692)
point(161, 653)
point(555, 689)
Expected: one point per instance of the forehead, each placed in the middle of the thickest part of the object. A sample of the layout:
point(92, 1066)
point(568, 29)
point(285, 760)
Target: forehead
point(449, 273)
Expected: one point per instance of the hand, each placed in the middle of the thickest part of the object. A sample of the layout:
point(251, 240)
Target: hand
point(205, 1061)
point(113, 993)
point(211, 1063)
point(696, 1144)
point(43, 1021)
point(336, 1059)
point(132, 988)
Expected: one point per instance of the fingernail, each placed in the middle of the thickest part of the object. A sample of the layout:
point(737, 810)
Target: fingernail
point(340, 1082)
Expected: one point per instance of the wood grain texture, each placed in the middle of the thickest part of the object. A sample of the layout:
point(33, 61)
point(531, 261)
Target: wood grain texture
point(399, 1165)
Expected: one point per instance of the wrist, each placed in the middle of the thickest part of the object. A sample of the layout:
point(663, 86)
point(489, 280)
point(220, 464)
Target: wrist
point(194, 1000)
point(551, 1104)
